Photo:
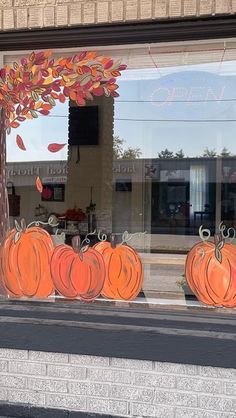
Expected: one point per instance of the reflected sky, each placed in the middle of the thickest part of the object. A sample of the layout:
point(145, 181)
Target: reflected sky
point(188, 107)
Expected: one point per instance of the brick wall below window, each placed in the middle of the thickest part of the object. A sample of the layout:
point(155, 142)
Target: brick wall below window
point(119, 387)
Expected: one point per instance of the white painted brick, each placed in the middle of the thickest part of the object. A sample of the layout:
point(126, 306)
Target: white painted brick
point(20, 367)
point(190, 7)
point(145, 9)
point(230, 388)
point(161, 8)
point(131, 364)
point(175, 398)
point(89, 360)
point(102, 11)
point(215, 403)
point(3, 394)
point(175, 8)
point(222, 6)
point(117, 10)
point(33, 398)
point(132, 393)
point(65, 401)
point(47, 385)
point(131, 7)
point(7, 353)
point(234, 6)
point(48, 357)
point(109, 375)
point(173, 368)
point(154, 379)
point(206, 7)
point(197, 413)
point(217, 372)
point(3, 365)
point(89, 389)
point(66, 372)
point(88, 12)
point(200, 385)
point(107, 406)
point(145, 410)
point(13, 381)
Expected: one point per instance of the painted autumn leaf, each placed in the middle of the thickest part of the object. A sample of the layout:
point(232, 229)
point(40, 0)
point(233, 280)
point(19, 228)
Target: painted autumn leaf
point(20, 143)
point(39, 184)
point(54, 147)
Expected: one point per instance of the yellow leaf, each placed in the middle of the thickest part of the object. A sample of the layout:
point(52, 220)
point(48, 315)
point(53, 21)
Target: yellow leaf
point(38, 105)
point(48, 80)
point(70, 83)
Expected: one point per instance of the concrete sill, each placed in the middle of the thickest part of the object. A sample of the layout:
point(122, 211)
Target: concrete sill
point(192, 336)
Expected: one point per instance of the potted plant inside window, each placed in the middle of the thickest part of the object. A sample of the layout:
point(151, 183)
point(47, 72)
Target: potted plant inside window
point(188, 294)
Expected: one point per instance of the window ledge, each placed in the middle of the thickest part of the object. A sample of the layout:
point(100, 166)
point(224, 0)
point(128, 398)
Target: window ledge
point(190, 336)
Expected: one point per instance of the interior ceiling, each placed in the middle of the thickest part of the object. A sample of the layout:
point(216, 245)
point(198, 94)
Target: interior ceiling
point(151, 56)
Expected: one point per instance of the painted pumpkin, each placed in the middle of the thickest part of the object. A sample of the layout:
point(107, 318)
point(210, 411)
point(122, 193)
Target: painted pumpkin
point(26, 255)
point(77, 273)
point(211, 273)
point(124, 273)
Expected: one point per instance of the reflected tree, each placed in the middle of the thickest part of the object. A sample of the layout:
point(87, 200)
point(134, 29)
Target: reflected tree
point(121, 153)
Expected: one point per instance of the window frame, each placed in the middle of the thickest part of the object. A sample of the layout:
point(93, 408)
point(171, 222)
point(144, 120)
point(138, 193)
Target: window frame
point(161, 334)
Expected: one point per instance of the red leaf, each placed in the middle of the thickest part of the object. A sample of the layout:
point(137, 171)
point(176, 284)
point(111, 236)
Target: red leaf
point(44, 112)
point(23, 61)
point(44, 73)
point(20, 143)
point(108, 65)
point(98, 91)
point(55, 147)
point(82, 55)
point(122, 67)
point(39, 184)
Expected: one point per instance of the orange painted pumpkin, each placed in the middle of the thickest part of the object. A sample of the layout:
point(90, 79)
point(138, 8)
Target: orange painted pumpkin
point(77, 273)
point(210, 271)
point(124, 273)
point(26, 255)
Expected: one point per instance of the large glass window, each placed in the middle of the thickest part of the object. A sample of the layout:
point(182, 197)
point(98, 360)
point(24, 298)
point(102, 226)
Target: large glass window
point(147, 168)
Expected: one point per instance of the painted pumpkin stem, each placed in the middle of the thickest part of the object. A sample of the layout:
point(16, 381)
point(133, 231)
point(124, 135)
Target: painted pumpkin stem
point(113, 241)
point(227, 233)
point(219, 244)
point(204, 234)
point(76, 245)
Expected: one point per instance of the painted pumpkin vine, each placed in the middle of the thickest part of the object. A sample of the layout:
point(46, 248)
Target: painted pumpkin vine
point(27, 90)
point(211, 269)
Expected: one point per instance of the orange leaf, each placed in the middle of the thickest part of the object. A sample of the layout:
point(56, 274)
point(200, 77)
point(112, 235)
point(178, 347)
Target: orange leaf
point(73, 95)
point(62, 98)
point(91, 55)
point(47, 53)
point(14, 124)
point(46, 106)
point(20, 143)
point(54, 95)
point(55, 147)
point(39, 184)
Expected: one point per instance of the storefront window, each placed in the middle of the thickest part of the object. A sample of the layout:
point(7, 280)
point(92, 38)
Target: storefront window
point(147, 168)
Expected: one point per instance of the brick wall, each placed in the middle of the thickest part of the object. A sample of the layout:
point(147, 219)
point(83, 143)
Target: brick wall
point(125, 388)
point(21, 14)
